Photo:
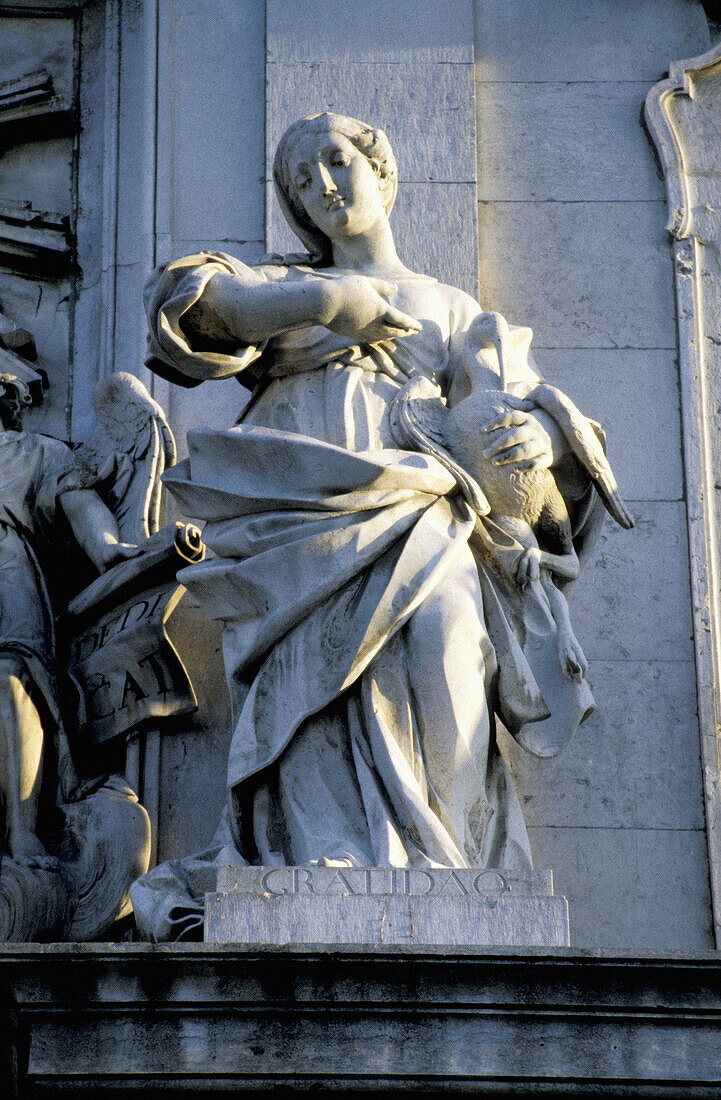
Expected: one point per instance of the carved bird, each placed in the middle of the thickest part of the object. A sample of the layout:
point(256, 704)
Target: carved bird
point(525, 503)
point(130, 447)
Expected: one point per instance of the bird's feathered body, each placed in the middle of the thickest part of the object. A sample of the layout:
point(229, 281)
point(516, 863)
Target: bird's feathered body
point(457, 438)
point(524, 502)
point(520, 494)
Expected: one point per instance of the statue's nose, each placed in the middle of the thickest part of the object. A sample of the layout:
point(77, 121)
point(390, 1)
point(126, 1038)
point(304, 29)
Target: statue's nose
point(327, 182)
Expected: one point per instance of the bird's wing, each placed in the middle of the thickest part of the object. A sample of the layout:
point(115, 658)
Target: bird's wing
point(417, 417)
point(586, 446)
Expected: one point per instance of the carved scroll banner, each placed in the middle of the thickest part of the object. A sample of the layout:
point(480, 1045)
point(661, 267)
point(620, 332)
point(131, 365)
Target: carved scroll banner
point(119, 652)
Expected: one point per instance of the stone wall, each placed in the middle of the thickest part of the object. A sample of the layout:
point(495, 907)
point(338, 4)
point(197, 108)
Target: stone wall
point(571, 238)
point(181, 105)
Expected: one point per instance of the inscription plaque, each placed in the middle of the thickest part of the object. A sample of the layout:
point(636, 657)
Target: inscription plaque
point(429, 906)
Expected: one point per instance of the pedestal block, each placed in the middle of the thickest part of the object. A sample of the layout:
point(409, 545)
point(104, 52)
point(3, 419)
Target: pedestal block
point(434, 907)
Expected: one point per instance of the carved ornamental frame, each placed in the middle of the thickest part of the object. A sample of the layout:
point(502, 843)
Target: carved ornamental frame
point(683, 115)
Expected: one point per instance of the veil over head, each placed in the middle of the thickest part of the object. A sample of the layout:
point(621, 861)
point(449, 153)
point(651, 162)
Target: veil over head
point(370, 141)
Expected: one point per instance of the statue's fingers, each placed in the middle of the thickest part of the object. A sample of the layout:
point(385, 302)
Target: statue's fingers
point(520, 452)
point(508, 418)
point(507, 436)
point(398, 319)
point(508, 400)
point(540, 462)
point(384, 287)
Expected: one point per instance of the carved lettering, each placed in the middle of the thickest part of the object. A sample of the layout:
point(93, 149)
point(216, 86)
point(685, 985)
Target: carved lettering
point(267, 885)
point(430, 881)
point(502, 883)
point(341, 878)
point(457, 883)
point(306, 881)
point(90, 640)
point(105, 630)
point(131, 687)
point(94, 686)
point(155, 664)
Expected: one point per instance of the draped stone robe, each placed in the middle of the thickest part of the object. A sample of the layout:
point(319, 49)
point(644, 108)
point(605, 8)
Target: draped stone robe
point(373, 632)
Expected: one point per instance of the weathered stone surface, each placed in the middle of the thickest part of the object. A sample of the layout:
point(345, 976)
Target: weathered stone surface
point(387, 30)
point(213, 126)
point(377, 905)
point(533, 40)
point(631, 601)
point(631, 889)
point(682, 117)
point(203, 1017)
point(581, 274)
point(633, 764)
point(541, 141)
point(605, 384)
point(242, 918)
point(441, 97)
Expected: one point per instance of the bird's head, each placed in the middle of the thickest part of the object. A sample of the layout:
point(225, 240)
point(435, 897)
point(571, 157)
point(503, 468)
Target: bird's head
point(490, 328)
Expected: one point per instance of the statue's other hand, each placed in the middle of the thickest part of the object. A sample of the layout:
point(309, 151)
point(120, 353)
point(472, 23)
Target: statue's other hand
point(112, 553)
point(521, 440)
point(357, 306)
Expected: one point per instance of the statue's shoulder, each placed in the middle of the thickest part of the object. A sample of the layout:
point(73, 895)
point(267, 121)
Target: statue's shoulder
point(50, 456)
point(51, 444)
point(34, 441)
point(462, 303)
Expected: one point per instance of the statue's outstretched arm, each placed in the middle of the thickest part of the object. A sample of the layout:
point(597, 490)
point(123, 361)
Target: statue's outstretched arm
point(95, 528)
point(351, 305)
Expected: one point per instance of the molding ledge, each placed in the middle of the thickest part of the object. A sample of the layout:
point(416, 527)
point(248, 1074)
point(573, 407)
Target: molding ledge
point(125, 1019)
point(682, 114)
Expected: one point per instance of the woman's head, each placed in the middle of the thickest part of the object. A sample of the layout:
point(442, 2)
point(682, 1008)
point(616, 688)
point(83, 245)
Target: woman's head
point(323, 189)
point(14, 400)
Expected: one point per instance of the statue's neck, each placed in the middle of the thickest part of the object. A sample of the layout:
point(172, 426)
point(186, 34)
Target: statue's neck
point(369, 253)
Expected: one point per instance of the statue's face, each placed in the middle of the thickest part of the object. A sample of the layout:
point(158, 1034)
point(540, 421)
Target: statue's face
point(337, 185)
point(12, 410)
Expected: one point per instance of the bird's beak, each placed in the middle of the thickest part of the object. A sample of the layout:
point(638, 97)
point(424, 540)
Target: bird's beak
point(500, 352)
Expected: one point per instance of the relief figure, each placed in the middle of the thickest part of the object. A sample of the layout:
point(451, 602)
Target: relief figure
point(41, 481)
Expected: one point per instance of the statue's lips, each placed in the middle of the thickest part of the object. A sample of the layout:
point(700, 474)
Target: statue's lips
point(336, 204)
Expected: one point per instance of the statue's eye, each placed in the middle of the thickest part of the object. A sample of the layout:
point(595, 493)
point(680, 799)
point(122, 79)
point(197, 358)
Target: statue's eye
point(303, 184)
point(340, 160)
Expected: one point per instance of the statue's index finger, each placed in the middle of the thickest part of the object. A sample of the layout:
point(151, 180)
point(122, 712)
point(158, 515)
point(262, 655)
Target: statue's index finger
point(399, 319)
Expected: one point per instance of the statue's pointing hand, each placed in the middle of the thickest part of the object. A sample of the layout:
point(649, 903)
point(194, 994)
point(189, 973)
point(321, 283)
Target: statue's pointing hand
point(357, 306)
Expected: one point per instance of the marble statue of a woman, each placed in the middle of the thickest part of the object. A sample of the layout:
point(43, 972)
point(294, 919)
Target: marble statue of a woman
point(374, 628)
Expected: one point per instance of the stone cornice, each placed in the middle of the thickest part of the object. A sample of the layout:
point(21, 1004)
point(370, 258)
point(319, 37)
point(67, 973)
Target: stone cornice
point(203, 1017)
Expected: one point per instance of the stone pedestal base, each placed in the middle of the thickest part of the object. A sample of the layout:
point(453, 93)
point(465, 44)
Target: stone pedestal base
point(332, 905)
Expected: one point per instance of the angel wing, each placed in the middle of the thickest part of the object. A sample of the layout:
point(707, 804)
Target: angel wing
point(586, 446)
point(417, 417)
point(129, 449)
